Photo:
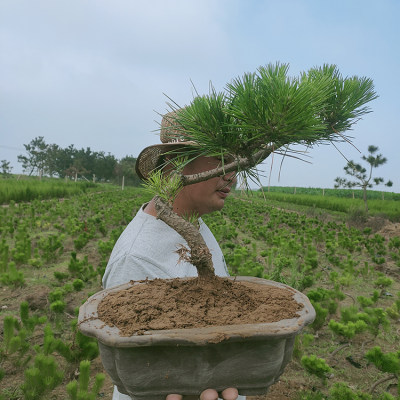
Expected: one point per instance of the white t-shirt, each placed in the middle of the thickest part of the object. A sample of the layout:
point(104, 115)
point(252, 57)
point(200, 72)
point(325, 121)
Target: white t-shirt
point(147, 249)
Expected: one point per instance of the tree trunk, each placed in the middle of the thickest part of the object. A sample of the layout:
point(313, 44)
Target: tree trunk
point(365, 198)
point(199, 255)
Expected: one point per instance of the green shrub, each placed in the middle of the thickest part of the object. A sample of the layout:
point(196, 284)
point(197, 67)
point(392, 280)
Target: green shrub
point(78, 284)
point(80, 390)
point(42, 377)
point(58, 306)
point(316, 366)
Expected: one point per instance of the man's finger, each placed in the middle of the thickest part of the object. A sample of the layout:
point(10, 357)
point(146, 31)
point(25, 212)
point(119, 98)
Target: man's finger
point(230, 394)
point(209, 394)
point(174, 397)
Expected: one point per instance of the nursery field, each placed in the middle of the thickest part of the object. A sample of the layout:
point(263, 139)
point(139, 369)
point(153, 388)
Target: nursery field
point(341, 193)
point(30, 188)
point(53, 253)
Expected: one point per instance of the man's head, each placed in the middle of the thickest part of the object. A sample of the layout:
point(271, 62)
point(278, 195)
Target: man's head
point(207, 196)
point(200, 198)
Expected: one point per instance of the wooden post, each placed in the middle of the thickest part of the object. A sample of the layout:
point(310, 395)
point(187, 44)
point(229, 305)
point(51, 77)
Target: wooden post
point(294, 190)
point(123, 182)
point(323, 192)
point(76, 176)
point(94, 178)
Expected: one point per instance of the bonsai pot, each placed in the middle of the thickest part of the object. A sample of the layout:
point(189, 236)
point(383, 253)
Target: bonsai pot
point(250, 357)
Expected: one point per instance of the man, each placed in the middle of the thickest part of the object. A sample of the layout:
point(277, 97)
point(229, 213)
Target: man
point(147, 247)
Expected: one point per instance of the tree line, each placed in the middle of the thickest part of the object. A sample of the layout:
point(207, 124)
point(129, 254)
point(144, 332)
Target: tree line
point(51, 160)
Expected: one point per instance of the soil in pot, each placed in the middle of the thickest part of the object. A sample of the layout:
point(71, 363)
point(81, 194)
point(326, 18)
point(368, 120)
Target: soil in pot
point(193, 303)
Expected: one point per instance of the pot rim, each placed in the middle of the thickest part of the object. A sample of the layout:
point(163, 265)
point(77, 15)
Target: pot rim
point(90, 325)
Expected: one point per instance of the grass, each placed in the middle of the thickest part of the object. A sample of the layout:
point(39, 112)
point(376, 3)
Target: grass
point(341, 193)
point(25, 190)
point(387, 208)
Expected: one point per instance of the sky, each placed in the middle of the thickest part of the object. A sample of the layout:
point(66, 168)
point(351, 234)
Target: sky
point(97, 73)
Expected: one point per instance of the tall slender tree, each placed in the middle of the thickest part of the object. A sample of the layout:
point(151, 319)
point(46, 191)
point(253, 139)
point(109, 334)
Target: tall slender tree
point(5, 168)
point(363, 176)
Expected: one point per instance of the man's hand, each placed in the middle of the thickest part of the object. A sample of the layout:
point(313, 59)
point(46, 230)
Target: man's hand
point(208, 394)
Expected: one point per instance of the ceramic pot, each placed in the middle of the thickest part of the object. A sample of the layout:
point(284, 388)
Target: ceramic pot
point(250, 357)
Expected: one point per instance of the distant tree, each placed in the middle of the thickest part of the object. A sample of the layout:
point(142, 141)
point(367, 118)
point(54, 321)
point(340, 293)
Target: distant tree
point(363, 177)
point(36, 156)
point(77, 169)
point(53, 152)
point(52, 160)
point(84, 160)
point(5, 168)
point(104, 165)
point(126, 168)
point(64, 159)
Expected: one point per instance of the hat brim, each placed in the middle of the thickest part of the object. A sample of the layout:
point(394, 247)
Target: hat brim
point(148, 160)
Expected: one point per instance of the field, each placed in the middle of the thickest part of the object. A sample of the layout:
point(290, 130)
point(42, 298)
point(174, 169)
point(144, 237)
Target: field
point(30, 188)
point(53, 253)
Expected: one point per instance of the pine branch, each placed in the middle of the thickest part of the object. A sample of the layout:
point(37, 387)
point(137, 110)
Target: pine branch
point(237, 165)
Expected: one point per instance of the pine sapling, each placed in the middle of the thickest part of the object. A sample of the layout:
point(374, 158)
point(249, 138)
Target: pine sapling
point(78, 284)
point(394, 310)
point(347, 330)
point(15, 340)
point(316, 366)
point(320, 317)
point(13, 277)
point(383, 281)
point(49, 342)
point(4, 256)
point(368, 301)
point(58, 306)
point(82, 347)
point(8, 330)
point(29, 322)
point(385, 362)
point(80, 390)
point(340, 391)
point(301, 343)
point(36, 261)
point(42, 377)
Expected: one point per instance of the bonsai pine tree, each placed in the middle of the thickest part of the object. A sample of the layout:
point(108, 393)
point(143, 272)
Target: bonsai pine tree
point(363, 177)
point(256, 115)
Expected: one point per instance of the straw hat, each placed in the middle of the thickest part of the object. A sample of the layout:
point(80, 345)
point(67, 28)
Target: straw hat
point(172, 138)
